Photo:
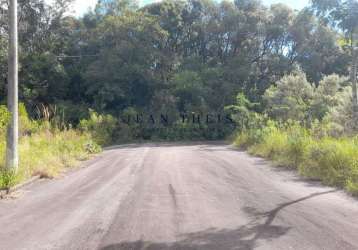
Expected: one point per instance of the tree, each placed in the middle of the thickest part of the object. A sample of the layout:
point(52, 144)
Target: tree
point(290, 98)
point(326, 96)
point(188, 87)
point(343, 14)
point(342, 115)
point(170, 55)
point(129, 55)
point(42, 37)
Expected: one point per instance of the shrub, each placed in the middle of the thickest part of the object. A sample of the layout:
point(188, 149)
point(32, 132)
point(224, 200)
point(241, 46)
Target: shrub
point(325, 96)
point(44, 150)
point(290, 98)
point(4, 118)
point(49, 153)
point(101, 127)
point(331, 160)
point(273, 142)
point(334, 161)
point(297, 142)
point(7, 178)
point(342, 114)
point(26, 125)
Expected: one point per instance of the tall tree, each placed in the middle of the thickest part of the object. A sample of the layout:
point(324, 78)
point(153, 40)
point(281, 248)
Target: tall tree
point(344, 15)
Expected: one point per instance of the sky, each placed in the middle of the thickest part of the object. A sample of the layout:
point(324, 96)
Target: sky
point(81, 6)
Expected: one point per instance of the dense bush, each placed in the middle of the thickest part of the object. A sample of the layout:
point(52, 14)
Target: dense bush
point(341, 116)
point(102, 127)
point(334, 161)
point(290, 98)
point(306, 127)
point(331, 160)
point(107, 129)
point(294, 98)
point(326, 95)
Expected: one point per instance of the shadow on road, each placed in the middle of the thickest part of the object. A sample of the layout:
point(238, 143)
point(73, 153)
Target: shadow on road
point(242, 238)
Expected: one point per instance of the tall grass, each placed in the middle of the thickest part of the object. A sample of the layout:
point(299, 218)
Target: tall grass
point(334, 161)
point(44, 150)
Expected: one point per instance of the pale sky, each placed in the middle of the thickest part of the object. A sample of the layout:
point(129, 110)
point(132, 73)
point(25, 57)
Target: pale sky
point(81, 6)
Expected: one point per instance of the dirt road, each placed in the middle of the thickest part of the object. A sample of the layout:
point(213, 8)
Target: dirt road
point(182, 197)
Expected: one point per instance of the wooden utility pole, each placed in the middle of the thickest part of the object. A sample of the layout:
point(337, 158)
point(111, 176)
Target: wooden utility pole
point(12, 158)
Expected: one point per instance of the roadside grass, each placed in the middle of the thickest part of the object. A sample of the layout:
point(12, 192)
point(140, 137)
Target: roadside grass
point(45, 150)
point(334, 161)
point(47, 154)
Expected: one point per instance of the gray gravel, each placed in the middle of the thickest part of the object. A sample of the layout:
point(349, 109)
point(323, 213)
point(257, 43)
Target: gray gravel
point(178, 196)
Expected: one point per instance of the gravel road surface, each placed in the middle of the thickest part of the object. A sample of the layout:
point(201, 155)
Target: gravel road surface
point(202, 196)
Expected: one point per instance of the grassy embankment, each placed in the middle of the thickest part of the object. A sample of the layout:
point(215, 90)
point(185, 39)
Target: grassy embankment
point(334, 161)
point(44, 149)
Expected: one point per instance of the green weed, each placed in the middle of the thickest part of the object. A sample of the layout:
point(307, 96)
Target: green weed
point(44, 149)
point(334, 161)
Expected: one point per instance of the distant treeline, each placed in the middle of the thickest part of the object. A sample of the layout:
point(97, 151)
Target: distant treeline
point(167, 57)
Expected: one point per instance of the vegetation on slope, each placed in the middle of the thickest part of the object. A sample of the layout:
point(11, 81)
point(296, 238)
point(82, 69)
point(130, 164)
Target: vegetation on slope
point(302, 128)
point(334, 161)
point(45, 149)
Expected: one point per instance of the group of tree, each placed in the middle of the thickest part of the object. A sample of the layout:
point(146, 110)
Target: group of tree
point(177, 56)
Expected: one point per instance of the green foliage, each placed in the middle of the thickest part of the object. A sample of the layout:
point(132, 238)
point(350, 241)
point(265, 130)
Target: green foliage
point(273, 143)
point(333, 161)
point(121, 75)
point(341, 116)
point(44, 150)
point(328, 107)
point(48, 153)
point(326, 95)
point(46, 78)
point(182, 56)
point(290, 98)
point(101, 127)
point(338, 12)
point(243, 112)
point(188, 87)
point(7, 178)
point(298, 139)
point(26, 125)
point(4, 118)
point(170, 56)
point(69, 113)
